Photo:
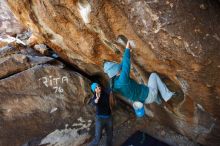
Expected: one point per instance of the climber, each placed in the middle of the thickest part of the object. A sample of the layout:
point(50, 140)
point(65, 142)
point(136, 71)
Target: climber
point(103, 114)
point(121, 82)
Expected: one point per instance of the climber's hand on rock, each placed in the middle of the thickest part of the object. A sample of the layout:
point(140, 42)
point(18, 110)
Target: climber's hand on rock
point(128, 45)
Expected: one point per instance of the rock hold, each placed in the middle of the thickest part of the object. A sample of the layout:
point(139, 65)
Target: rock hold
point(21, 58)
point(42, 49)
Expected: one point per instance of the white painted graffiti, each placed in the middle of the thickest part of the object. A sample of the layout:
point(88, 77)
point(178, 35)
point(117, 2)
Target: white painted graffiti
point(55, 82)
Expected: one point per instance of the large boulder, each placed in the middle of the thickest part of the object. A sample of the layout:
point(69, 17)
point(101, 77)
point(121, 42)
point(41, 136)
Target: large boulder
point(177, 39)
point(38, 95)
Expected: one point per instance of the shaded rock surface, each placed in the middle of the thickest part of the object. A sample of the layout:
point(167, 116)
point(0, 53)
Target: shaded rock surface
point(66, 137)
point(177, 39)
point(38, 95)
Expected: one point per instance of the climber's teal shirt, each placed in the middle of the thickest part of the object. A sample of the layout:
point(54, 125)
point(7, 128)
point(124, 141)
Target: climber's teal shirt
point(126, 86)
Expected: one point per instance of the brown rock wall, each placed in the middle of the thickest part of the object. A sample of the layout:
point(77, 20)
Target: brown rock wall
point(38, 95)
point(177, 39)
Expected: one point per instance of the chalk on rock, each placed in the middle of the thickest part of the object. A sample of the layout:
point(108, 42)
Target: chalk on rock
point(66, 126)
point(84, 9)
point(121, 39)
point(53, 110)
point(132, 43)
point(148, 112)
point(80, 119)
point(10, 39)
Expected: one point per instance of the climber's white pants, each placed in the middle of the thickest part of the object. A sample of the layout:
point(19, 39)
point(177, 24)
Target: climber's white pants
point(155, 84)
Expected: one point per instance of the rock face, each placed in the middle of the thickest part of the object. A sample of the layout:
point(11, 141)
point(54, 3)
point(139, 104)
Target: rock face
point(177, 39)
point(8, 23)
point(65, 137)
point(38, 95)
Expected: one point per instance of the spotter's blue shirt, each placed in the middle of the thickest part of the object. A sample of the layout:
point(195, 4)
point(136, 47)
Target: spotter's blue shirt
point(125, 85)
